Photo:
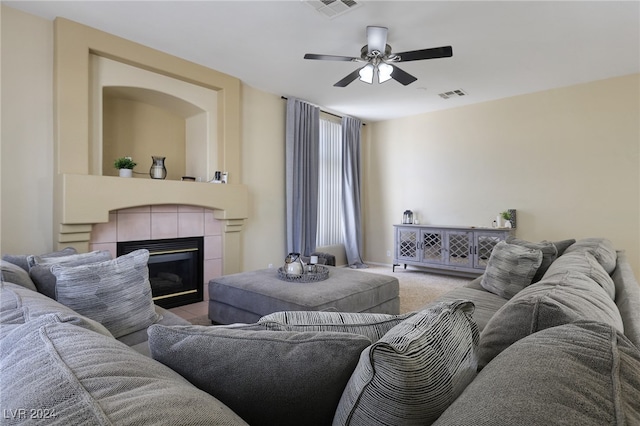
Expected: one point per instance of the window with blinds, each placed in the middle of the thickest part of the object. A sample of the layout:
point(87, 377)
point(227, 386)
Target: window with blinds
point(329, 230)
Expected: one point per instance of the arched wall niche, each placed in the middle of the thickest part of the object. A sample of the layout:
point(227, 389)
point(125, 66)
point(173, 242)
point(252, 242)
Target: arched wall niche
point(136, 111)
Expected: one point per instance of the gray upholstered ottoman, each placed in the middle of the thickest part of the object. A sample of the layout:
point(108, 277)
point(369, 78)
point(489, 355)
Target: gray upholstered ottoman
point(247, 296)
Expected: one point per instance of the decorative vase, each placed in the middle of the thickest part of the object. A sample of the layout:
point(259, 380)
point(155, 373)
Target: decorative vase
point(499, 221)
point(126, 173)
point(158, 170)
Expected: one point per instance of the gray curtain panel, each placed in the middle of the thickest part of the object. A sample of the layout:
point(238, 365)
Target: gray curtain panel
point(352, 221)
point(302, 144)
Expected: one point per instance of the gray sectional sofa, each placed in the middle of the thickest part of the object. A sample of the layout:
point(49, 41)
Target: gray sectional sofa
point(550, 334)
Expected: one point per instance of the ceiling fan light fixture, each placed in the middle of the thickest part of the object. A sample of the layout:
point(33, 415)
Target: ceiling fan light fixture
point(366, 74)
point(384, 72)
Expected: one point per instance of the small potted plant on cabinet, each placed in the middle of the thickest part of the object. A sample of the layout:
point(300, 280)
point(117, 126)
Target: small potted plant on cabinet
point(506, 216)
point(125, 165)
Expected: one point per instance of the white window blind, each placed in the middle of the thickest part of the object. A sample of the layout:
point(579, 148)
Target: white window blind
point(329, 230)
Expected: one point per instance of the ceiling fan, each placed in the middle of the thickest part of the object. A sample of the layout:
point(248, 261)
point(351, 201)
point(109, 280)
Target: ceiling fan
point(379, 59)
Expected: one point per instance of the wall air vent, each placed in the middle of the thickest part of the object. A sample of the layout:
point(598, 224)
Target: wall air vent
point(453, 94)
point(332, 8)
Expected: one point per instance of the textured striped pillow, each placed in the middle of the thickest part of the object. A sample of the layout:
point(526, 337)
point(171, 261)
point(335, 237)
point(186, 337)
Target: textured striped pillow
point(411, 375)
point(511, 268)
point(549, 254)
point(373, 326)
point(116, 293)
point(40, 268)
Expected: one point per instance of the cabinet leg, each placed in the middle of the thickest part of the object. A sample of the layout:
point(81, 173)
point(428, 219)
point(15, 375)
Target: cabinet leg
point(394, 266)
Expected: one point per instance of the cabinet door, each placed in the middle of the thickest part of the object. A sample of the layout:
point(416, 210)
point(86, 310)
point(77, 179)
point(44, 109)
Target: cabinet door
point(484, 244)
point(432, 246)
point(459, 248)
point(407, 244)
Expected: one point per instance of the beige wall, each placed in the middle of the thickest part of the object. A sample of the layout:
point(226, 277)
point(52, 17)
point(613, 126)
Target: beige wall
point(566, 159)
point(264, 173)
point(27, 133)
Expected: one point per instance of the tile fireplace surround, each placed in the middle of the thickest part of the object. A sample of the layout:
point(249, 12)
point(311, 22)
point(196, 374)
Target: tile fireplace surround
point(162, 222)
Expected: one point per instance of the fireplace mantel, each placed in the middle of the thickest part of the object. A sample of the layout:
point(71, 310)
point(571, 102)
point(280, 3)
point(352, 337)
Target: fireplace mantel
point(88, 199)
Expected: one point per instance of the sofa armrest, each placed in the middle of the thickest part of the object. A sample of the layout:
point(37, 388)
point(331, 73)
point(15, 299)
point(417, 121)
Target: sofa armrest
point(627, 297)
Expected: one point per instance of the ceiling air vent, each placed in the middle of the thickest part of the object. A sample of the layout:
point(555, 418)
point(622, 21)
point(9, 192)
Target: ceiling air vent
point(332, 8)
point(453, 94)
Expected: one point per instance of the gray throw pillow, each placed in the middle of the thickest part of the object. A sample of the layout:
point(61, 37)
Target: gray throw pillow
point(584, 373)
point(563, 245)
point(20, 305)
point(21, 260)
point(116, 293)
point(549, 254)
point(373, 326)
point(68, 375)
point(583, 262)
point(510, 268)
point(417, 369)
point(601, 248)
point(40, 268)
point(13, 273)
point(266, 377)
point(554, 301)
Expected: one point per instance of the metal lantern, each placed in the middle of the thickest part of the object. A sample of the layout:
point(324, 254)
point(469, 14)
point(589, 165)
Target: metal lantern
point(407, 217)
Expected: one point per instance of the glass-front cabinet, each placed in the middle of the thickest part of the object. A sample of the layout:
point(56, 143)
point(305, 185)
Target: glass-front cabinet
point(463, 250)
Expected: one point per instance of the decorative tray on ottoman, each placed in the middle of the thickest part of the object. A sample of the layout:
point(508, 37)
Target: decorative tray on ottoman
point(322, 273)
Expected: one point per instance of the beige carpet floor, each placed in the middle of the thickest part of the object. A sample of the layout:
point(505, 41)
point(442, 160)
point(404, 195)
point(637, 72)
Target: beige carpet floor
point(417, 287)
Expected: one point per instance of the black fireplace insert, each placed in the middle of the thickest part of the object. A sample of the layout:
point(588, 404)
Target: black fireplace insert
point(175, 269)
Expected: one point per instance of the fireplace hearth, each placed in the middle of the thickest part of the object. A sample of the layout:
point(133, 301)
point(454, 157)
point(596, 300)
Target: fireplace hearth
point(175, 269)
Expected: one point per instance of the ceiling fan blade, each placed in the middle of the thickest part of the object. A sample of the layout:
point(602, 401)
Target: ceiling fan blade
point(432, 53)
point(331, 57)
point(401, 76)
point(348, 79)
point(376, 39)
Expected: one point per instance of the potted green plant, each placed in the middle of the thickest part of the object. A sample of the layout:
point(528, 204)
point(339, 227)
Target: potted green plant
point(125, 165)
point(506, 216)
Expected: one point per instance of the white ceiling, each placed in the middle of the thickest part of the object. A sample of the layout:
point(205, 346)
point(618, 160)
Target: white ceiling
point(500, 48)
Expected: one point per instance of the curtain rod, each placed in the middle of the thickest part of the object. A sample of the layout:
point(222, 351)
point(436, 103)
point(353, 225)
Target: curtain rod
point(326, 112)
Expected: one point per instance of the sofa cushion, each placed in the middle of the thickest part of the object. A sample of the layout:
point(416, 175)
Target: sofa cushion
point(20, 305)
point(584, 262)
point(548, 249)
point(373, 326)
point(116, 293)
point(584, 373)
point(558, 300)
point(510, 268)
point(485, 303)
point(13, 273)
point(21, 260)
point(601, 248)
point(415, 371)
point(266, 377)
point(74, 376)
point(40, 268)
